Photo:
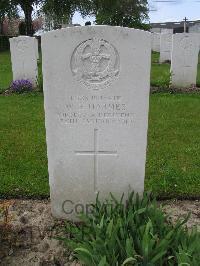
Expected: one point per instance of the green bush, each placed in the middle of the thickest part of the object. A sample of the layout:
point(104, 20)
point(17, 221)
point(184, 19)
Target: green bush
point(138, 233)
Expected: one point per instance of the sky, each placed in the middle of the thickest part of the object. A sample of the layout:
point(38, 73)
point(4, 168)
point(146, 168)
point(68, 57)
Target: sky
point(163, 11)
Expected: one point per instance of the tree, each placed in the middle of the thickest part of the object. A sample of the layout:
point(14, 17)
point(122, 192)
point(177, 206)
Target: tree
point(126, 13)
point(6, 9)
point(27, 7)
point(60, 11)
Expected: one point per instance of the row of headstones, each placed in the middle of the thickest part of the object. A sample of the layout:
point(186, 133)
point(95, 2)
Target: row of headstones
point(182, 49)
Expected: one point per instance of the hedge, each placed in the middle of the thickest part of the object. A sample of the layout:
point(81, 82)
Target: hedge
point(4, 42)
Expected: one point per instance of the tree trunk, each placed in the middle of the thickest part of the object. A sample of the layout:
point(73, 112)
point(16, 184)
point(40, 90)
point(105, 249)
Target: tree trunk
point(1, 25)
point(28, 9)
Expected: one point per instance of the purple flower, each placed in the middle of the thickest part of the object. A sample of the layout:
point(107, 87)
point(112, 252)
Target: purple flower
point(21, 85)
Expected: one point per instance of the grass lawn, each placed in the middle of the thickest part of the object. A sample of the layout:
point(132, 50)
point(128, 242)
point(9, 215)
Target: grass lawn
point(173, 161)
point(23, 168)
point(5, 70)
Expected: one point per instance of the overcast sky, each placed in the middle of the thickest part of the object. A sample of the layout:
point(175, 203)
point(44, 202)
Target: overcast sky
point(164, 10)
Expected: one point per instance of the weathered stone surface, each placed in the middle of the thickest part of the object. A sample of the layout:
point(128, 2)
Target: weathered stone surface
point(165, 47)
point(24, 58)
point(96, 88)
point(155, 41)
point(185, 50)
point(170, 31)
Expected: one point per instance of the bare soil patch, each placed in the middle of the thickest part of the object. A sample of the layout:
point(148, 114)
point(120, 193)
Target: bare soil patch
point(28, 231)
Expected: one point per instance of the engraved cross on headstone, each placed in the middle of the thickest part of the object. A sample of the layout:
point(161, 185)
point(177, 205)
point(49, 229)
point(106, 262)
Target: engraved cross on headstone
point(95, 153)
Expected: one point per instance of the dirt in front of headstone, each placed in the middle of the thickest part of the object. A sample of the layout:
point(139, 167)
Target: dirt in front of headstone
point(28, 232)
point(29, 235)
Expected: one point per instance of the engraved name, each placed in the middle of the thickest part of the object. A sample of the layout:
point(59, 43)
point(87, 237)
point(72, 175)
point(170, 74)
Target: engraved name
point(96, 110)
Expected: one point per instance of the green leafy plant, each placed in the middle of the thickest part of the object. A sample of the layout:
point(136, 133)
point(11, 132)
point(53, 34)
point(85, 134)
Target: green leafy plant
point(134, 233)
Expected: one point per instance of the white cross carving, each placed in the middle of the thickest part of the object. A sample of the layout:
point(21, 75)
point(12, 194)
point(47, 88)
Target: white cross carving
point(95, 153)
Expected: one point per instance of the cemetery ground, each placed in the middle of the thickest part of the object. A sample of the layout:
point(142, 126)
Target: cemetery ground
point(172, 168)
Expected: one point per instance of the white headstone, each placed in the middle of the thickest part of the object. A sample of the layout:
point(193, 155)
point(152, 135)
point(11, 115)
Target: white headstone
point(155, 42)
point(36, 48)
point(24, 58)
point(170, 31)
point(184, 59)
point(165, 47)
point(96, 91)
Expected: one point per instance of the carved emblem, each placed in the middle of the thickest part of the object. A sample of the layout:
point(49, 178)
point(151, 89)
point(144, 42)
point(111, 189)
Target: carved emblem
point(21, 45)
point(95, 63)
point(187, 47)
point(186, 43)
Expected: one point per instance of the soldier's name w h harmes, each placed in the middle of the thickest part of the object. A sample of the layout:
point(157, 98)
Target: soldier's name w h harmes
point(95, 109)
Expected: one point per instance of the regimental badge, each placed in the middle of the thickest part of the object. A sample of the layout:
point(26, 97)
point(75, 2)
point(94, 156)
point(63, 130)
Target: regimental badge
point(95, 63)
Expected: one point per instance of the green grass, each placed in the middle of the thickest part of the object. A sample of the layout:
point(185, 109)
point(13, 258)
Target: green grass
point(5, 70)
point(23, 168)
point(173, 161)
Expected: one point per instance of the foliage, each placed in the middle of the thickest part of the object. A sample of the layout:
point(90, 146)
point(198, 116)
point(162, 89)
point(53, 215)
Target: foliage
point(7, 9)
point(126, 13)
point(135, 233)
point(60, 11)
point(21, 85)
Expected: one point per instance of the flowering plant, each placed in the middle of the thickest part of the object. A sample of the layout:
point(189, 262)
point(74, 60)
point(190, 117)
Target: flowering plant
point(21, 85)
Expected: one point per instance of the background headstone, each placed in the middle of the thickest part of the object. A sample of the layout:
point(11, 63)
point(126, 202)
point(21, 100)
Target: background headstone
point(165, 47)
point(24, 58)
point(170, 31)
point(185, 50)
point(155, 42)
point(96, 91)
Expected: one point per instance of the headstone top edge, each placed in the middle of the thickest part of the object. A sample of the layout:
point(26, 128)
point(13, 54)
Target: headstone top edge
point(87, 28)
point(187, 34)
point(166, 33)
point(21, 37)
